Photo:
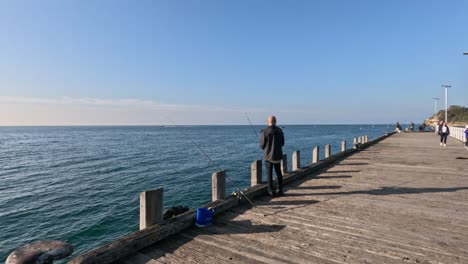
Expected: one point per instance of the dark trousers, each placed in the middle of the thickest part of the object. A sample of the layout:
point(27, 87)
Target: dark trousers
point(443, 138)
point(269, 174)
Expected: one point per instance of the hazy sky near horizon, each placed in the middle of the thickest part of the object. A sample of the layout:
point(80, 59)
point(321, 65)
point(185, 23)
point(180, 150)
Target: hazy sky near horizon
point(111, 62)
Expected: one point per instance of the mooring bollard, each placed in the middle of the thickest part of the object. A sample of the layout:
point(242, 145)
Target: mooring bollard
point(40, 252)
point(284, 164)
point(327, 151)
point(151, 208)
point(218, 185)
point(315, 154)
point(343, 145)
point(296, 160)
point(256, 173)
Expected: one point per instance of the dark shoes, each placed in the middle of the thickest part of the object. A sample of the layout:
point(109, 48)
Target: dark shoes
point(279, 193)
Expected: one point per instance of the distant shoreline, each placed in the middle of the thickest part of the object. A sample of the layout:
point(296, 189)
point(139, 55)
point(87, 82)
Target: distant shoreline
point(204, 125)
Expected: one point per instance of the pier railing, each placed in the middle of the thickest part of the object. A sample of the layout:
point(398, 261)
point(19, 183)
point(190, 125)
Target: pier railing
point(153, 228)
point(458, 133)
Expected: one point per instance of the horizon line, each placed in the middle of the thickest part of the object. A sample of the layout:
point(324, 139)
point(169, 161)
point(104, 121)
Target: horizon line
point(179, 125)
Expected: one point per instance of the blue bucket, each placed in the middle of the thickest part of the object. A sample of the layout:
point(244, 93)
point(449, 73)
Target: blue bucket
point(204, 216)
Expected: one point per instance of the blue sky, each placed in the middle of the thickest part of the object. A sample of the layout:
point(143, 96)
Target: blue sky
point(207, 62)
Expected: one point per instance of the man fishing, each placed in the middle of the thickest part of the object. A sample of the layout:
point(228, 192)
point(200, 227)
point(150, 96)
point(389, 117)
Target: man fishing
point(272, 142)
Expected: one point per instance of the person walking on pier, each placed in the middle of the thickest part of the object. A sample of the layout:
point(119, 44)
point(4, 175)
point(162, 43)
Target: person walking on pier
point(466, 137)
point(272, 142)
point(444, 133)
point(439, 127)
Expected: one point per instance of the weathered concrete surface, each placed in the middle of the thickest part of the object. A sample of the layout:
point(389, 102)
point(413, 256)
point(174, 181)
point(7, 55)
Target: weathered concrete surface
point(404, 200)
point(40, 252)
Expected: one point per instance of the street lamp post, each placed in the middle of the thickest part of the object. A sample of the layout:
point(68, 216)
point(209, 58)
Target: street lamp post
point(435, 105)
point(446, 99)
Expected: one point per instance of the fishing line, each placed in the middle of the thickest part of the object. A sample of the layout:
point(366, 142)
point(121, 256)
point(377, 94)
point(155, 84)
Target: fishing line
point(219, 168)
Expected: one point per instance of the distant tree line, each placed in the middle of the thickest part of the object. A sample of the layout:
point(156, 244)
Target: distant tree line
point(455, 113)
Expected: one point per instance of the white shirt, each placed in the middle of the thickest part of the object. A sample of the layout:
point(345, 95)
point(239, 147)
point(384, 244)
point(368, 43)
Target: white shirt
point(444, 129)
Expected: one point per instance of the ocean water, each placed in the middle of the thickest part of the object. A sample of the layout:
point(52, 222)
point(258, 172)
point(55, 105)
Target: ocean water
point(82, 184)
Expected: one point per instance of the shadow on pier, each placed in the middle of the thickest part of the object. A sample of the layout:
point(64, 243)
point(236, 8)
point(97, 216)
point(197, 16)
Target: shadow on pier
point(386, 191)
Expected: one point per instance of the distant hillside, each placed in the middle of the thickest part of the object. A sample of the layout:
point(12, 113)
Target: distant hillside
point(455, 114)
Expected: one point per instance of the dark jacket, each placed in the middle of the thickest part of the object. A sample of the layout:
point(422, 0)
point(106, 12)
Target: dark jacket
point(272, 142)
point(440, 130)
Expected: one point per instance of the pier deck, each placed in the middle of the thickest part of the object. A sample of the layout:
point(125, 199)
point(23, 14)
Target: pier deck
point(403, 200)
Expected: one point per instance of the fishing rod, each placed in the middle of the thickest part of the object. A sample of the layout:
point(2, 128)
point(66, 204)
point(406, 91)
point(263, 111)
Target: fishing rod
point(219, 168)
point(251, 125)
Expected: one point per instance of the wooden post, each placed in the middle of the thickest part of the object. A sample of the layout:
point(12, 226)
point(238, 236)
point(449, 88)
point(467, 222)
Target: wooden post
point(256, 173)
point(151, 208)
point(327, 151)
point(315, 154)
point(296, 160)
point(359, 139)
point(343, 145)
point(218, 186)
point(284, 164)
point(367, 138)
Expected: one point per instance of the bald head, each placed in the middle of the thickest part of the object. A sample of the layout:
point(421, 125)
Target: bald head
point(271, 120)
